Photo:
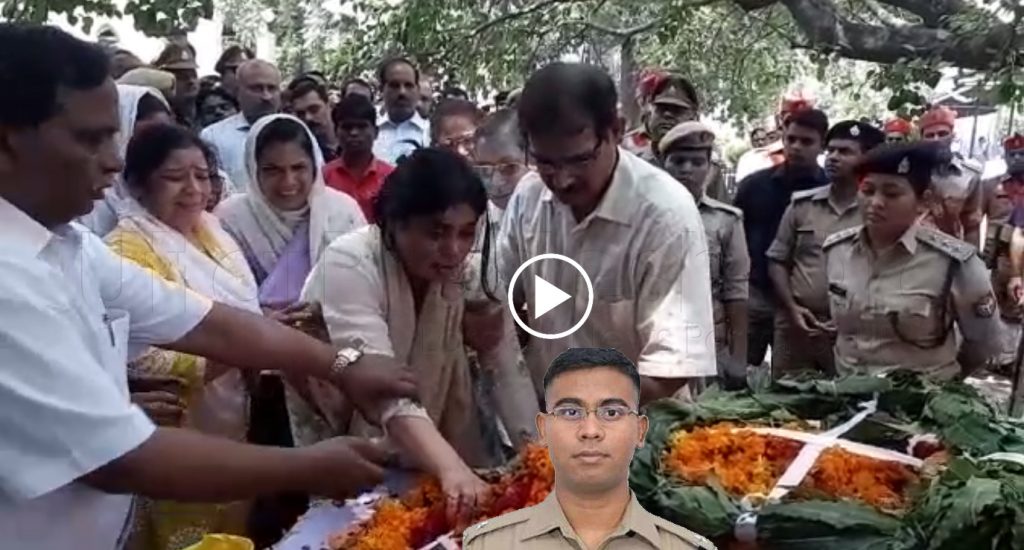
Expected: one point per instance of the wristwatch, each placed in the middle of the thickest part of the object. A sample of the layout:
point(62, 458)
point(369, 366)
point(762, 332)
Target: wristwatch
point(345, 357)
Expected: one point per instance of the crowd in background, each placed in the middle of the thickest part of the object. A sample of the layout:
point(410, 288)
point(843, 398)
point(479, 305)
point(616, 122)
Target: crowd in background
point(384, 219)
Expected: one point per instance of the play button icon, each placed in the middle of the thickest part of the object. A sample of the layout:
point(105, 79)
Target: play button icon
point(547, 296)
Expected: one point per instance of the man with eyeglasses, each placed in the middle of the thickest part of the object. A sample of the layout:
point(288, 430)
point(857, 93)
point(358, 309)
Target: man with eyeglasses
point(591, 429)
point(633, 229)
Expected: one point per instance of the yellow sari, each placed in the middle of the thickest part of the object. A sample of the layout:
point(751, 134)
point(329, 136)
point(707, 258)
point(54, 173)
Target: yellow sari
point(167, 525)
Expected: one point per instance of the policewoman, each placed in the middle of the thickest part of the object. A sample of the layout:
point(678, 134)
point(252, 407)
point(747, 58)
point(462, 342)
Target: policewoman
point(897, 288)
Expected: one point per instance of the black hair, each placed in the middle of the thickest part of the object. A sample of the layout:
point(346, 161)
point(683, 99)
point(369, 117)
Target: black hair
point(148, 105)
point(502, 126)
point(354, 107)
point(36, 63)
point(454, 92)
point(216, 91)
point(676, 81)
point(429, 181)
point(382, 70)
point(568, 93)
point(452, 107)
point(813, 119)
point(286, 130)
point(150, 147)
point(231, 53)
point(304, 85)
point(577, 359)
point(356, 80)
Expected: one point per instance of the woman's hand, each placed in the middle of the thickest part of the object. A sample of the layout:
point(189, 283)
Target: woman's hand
point(303, 316)
point(375, 378)
point(464, 494)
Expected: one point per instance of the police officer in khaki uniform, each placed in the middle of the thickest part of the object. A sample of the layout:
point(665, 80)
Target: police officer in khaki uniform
point(804, 334)
point(1000, 200)
point(591, 430)
point(956, 206)
point(897, 288)
point(685, 153)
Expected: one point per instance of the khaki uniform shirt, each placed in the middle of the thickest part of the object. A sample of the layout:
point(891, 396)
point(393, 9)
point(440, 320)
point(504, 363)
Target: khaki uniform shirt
point(728, 259)
point(811, 217)
point(897, 309)
point(544, 527)
point(999, 204)
point(961, 201)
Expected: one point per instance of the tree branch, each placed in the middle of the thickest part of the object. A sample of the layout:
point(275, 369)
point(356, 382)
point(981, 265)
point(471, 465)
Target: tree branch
point(826, 29)
point(622, 33)
point(542, 4)
point(931, 12)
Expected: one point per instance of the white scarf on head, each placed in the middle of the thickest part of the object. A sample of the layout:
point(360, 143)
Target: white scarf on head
point(266, 230)
point(107, 210)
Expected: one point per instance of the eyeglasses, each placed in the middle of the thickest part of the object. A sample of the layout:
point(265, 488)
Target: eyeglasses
point(607, 414)
point(507, 169)
point(574, 163)
point(462, 141)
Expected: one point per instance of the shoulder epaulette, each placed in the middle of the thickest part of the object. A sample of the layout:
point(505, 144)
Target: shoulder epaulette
point(719, 205)
point(487, 526)
point(815, 193)
point(953, 247)
point(840, 236)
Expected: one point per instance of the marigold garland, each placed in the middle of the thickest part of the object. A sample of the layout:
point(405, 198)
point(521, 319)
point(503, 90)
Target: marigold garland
point(748, 463)
point(418, 517)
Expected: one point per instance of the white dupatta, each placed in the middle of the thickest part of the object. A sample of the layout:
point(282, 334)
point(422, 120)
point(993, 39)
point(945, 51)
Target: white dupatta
point(264, 230)
point(222, 404)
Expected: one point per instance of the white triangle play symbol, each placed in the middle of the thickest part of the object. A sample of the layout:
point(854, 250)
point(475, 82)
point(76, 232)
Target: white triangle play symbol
point(546, 296)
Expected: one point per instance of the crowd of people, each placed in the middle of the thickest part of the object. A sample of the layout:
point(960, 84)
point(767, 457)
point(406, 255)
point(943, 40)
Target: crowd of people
point(222, 291)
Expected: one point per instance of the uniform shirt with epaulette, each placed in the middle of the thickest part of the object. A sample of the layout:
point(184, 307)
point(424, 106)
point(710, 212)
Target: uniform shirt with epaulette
point(728, 259)
point(545, 527)
point(639, 143)
point(897, 310)
point(961, 192)
point(811, 217)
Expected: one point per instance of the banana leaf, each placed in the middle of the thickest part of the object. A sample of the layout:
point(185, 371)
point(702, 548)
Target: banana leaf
point(972, 505)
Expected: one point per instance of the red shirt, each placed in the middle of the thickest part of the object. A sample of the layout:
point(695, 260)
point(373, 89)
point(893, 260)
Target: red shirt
point(361, 187)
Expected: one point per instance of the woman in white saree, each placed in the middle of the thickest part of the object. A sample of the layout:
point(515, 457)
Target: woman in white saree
point(401, 288)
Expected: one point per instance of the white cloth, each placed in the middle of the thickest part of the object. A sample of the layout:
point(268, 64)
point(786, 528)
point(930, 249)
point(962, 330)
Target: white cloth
point(645, 251)
point(64, 407)
point(264, 231)
point(393, 138)
point(228, 138)
point(222, 409)
point(758, 159)
point(105, 211)
point(366, 299)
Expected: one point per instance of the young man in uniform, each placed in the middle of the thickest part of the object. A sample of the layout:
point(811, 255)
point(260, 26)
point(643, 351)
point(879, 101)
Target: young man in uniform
point(685, 153)
point(632, 228)
point(591, 430)
point(804, 334)
point(956, 208)
point(763, 198)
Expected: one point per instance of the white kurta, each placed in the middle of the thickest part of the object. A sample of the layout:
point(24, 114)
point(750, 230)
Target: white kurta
point(645, 252)
point(73, 313)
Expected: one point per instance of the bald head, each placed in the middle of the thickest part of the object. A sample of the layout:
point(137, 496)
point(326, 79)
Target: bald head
point(259, 89)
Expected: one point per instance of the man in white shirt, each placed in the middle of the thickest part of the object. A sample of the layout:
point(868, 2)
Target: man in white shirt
point(634, 230)
point(72, 314)
point(402, 129)
point(259, 95)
